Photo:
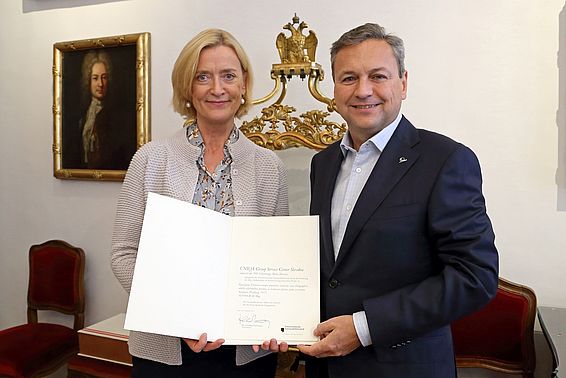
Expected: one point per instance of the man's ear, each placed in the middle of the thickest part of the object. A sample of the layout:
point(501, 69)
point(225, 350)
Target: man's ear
point(404, 84)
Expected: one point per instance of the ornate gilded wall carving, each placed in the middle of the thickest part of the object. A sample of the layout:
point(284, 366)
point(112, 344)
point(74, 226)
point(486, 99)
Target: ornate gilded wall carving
point(277, 128)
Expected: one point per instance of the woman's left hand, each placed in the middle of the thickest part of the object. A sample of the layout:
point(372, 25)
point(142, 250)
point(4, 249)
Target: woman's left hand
point(202, 345)
point(272, 346)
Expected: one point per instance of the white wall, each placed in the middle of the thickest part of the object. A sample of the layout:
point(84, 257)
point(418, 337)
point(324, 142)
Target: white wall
point(482, 72)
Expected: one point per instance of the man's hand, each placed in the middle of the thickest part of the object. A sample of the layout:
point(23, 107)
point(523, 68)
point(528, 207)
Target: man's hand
point(201, 345)
point(338, 338)
point(272, 346)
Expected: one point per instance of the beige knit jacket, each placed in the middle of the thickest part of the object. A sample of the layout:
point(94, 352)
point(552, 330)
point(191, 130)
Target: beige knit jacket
point(168, 167)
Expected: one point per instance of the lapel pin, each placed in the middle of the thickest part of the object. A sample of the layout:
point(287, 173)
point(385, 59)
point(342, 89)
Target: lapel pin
point(402, 159)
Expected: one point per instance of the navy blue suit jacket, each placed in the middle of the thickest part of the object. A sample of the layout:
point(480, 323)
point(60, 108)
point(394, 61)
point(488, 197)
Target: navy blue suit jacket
point(418, 253)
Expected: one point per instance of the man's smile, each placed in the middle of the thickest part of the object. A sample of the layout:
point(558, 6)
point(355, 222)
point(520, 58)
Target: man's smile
point(368, 106)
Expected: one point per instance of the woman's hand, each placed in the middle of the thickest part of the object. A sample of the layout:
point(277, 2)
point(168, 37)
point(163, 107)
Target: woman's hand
point(201, 345)
point(272, 346)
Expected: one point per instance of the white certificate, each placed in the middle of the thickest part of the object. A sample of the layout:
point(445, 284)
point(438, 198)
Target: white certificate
point(243, 279)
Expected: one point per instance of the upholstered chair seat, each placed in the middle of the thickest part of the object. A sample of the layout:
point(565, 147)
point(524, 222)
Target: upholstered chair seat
point(25, 349)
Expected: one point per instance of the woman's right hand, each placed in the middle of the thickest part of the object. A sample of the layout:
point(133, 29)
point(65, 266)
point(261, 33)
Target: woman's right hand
point(202, 345)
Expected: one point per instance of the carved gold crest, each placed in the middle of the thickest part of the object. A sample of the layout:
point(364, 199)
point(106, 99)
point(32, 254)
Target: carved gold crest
point(310, 129)
point(297, 48)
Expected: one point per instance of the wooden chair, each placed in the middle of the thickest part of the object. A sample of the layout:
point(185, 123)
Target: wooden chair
point(56, 271)
point(500, 336)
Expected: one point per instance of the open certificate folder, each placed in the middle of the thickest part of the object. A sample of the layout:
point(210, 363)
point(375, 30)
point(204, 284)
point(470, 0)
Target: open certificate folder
point(243, 279)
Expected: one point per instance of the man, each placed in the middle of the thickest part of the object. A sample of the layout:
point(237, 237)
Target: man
point(106, 132)
point(406, 244)
point(98, 71)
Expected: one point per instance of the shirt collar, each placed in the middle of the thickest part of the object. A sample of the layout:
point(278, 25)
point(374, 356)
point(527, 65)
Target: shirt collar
point(379, 140)
point(195, 138)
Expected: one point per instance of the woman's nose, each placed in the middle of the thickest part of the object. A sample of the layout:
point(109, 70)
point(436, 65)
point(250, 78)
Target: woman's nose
point(217, 87)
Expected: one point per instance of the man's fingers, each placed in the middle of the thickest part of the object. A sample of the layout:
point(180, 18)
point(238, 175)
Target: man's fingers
point(311, 350)
point(324, 328)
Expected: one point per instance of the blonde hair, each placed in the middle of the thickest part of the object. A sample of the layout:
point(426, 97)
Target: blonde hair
point(186, 64)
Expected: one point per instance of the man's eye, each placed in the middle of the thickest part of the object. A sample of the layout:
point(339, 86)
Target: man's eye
point(379, 77)
point(348, 79)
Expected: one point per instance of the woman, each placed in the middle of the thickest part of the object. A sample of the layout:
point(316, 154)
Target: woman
point(211, 164)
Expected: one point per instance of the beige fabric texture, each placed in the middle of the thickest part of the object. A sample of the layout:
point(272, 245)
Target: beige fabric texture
point(168, 167)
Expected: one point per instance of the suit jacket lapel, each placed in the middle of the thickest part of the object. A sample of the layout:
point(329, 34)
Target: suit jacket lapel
point(326, 190)
point(396, 159)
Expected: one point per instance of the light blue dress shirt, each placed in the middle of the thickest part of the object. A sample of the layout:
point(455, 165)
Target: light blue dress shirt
point(352, 177)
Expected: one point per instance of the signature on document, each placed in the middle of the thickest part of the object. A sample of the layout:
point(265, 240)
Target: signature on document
point(252, 321)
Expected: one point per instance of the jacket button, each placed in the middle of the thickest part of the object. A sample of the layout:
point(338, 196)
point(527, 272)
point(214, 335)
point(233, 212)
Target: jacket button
point(333, 283)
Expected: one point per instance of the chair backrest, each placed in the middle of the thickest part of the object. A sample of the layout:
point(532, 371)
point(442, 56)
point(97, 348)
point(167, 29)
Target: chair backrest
point(56, 280)
point(500, 336)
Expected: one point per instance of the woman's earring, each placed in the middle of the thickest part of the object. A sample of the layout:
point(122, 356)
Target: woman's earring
point(243, 100)
point(188, 104)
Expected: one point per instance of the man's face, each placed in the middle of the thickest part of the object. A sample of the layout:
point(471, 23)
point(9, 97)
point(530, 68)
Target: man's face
point(99, 81)
point(367, 88)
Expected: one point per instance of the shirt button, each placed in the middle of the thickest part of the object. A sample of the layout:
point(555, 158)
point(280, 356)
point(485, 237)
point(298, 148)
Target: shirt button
point(348, 207)
point(358, 170)
point(333, 283)
point(234, 171)
point(238, 203)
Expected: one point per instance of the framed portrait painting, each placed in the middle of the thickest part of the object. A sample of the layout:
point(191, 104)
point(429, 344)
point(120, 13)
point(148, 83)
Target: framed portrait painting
point(100, 105)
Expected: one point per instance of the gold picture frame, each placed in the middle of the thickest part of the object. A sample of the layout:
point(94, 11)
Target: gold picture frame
point(101, 109)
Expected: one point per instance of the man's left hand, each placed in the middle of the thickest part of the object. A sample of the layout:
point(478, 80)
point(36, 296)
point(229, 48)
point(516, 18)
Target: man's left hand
point(338, 338)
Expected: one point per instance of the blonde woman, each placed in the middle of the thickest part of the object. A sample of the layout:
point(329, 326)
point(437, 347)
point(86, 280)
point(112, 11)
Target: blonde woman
point(209, 163)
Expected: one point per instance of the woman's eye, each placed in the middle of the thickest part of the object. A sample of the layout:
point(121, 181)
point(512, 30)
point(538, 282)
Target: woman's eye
point(229, 76)
point(202, 77)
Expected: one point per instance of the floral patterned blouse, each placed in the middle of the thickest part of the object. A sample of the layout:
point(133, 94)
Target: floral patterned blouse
point(213, 189)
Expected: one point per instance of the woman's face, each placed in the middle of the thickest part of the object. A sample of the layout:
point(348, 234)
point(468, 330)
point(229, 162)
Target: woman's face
point(218, 87)
point(98, 81)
